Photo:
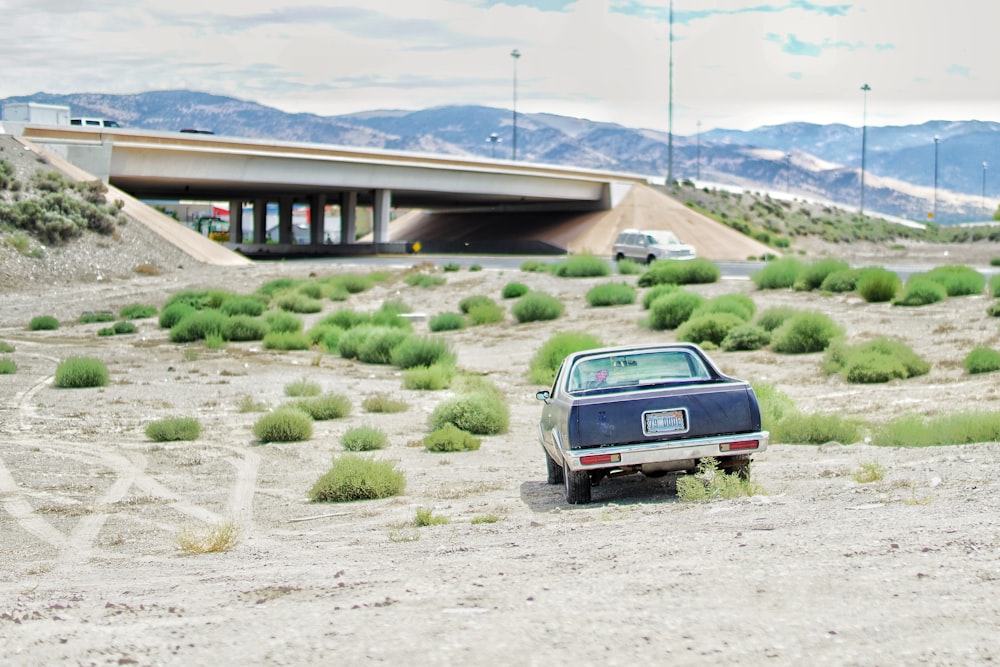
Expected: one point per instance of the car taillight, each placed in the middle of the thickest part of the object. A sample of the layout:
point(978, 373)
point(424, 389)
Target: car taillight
point(600, 458)
point(737, 446)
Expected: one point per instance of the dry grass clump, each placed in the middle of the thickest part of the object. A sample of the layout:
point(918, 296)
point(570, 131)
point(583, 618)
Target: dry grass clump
point(710, 483)
point(214, 539)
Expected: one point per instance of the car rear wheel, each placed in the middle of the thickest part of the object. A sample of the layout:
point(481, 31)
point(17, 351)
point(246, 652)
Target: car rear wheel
point(650, 259)
point(738, 467)
point(554, 469)
point(577, 484)
point(619, 257)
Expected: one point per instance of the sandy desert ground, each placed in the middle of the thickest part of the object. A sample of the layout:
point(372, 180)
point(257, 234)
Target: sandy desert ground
point(819, 570)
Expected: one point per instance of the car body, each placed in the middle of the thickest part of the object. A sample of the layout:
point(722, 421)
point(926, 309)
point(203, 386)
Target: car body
point(653, 409)
point(647, 245)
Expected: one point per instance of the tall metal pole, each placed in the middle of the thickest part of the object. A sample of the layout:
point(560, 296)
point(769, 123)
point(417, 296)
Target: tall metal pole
point(864, 142)
point(697, 154)
point(515, 54)
point(984, 187)
point(788, 172)
point(934, 210)
point(670, 103)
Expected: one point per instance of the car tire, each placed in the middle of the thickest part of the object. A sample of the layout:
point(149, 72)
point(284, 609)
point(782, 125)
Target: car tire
point(650, 259)
point(739, 468)
point(619, 257)
point(577, 483)
point(554, 469)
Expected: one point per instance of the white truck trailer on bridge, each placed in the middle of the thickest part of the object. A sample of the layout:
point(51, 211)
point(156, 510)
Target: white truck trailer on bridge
point(34, 112)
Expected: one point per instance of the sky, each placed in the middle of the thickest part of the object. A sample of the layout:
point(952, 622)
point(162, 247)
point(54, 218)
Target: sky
point(736, 64)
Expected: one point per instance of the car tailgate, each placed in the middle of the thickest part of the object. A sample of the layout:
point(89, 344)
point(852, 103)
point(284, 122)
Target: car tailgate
point(670, 413)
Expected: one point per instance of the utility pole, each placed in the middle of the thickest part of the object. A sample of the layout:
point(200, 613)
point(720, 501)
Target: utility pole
point(515, 54)
point(670, 103)
point(864, 141)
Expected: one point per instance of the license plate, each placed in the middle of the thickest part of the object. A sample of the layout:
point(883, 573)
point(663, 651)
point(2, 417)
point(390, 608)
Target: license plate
point(663, 422)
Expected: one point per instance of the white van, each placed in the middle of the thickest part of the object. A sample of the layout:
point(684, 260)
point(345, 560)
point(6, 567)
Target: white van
point(646, 245)
point(93, 122)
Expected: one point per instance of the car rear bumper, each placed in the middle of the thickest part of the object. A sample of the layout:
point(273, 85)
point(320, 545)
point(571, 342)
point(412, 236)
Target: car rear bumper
point(646, 453)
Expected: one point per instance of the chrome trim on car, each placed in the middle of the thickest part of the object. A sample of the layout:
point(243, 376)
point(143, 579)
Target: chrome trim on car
point(660, 451)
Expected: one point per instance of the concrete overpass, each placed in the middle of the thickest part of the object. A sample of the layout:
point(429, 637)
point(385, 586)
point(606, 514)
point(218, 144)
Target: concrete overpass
point(154, 165)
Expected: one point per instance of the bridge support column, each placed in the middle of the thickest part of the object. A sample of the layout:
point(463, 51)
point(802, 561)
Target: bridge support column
point(380, 216)
point(236, 221)
point(348, 217)
point(260, 221)
point(317, 219)
point(285, 220)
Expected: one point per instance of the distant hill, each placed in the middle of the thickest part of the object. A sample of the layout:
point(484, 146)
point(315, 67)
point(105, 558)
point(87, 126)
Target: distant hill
point(814, 161)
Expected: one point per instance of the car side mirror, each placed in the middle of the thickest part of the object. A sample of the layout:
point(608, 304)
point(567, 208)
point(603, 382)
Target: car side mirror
point(543, 395)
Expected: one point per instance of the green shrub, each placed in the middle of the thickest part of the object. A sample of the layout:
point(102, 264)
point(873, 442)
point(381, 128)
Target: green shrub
point(43, 323)
point(772, 318)
point(655, 292)
point(712, 328)
point(993, 310)
point(302, 387)
point(582, 266)
point(174, 313)
point(353, 477)
point(137, 311)
point(7, 367)
point(629, 267)
point(711, 483)
point(545, 363)
point(816, 429)
point(779, 274)
point(486, 313)
point(286, 340)
point(345, 318)
point(198, 325)
point(172, 429)
point(537, 306)
point(244, 328)
point(478, 412)
point(841, 281)
point(811, 276)
point(672, 310)
point(680, 272)
point(352, 283)
point(745, 337)
point(244, 305)
point(878, 285)
point(446, 322)
point(450, 438)
point(81, 372)
point(124, 328)
point(299, 303)
point(469, 302)
point(421, 351)
point(324, 407)
point(6, 347)
point(279, 321)
point(383, 403)
point(451, 267)
point(921, 291)
point(952, 429)
point(106, 331)
point(611, 294)
point(994, 285)
point(285, 424)
point(94, 317)
point(536, 266)
point(735, 304)
point(424, 280)
point(775, 405)
point(878, 360)
point(380, 343)
point(514, 290)
point(352, 340)
point(429, 378)
point(808, 331)
point(958, 280)
point(277, 285)
point(364, 438)
point(982, 360)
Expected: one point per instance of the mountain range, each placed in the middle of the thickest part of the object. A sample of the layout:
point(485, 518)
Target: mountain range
point(939, 167)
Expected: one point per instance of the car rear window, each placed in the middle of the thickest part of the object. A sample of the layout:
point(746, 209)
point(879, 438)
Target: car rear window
point(629, 369)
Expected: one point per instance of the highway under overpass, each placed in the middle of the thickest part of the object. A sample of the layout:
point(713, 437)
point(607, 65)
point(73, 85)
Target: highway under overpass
point(157, 166)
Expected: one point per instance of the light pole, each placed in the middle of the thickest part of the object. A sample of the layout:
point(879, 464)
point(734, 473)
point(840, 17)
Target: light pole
point(937, 140)
point(670, 103)
point(697, 154)
point(515, 54)
point(864, 141)
point(788, 172)
point(984, 187)
point(494, 139)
